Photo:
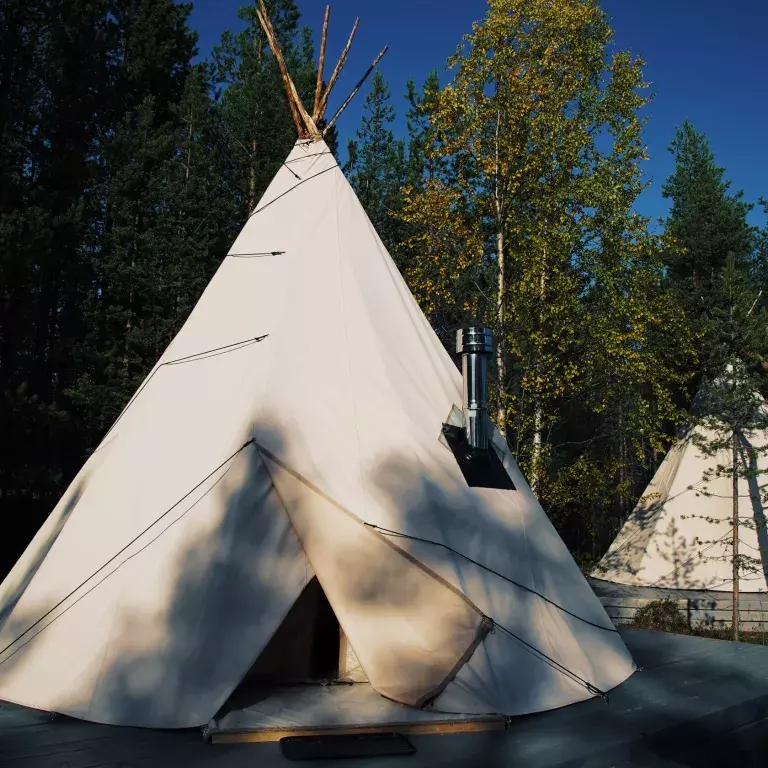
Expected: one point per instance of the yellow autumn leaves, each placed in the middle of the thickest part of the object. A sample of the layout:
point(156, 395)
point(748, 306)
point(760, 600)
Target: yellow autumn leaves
point(530, 225)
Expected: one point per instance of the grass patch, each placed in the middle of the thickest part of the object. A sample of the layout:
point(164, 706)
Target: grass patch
point(665, 616)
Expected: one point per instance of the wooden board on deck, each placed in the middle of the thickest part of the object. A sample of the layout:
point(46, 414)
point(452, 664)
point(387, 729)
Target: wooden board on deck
point(442, 727)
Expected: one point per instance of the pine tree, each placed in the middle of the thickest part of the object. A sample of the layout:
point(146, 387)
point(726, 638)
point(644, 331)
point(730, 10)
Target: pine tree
point(707, 222)
point(376, 165)
point(255, 120)
point(421, 164)
point(760, 261)
point(208, 216)
point(138, 259)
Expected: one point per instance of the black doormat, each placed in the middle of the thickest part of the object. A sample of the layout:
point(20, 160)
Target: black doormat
point(346, 745)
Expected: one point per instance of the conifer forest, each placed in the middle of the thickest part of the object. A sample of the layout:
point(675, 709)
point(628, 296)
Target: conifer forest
point(129, 162)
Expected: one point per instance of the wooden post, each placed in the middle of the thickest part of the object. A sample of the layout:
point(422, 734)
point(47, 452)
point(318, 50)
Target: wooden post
point(306, 124)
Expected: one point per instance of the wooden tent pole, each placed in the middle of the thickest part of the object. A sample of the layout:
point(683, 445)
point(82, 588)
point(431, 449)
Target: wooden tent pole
point(337, 70)
point(306, 124)
point(320, 65)
point(300, 114)
point(263, 20)
point(355, 89)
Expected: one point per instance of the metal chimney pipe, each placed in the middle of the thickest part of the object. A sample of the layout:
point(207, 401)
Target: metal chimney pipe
point(475, 345)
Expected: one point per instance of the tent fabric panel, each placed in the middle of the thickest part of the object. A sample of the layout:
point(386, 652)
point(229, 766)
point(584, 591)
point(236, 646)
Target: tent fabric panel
point(404, 383)
point(20, 576)
point(306, 414)
point(239, 569)
point(165, 639)
point(413, 485)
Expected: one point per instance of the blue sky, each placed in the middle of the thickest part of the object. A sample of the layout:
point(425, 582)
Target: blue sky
point(707, 61)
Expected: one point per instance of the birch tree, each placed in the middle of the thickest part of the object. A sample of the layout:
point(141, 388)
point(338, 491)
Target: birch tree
point(541, 142)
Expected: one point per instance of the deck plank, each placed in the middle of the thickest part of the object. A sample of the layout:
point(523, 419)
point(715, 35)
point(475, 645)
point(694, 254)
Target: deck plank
point(696, 702)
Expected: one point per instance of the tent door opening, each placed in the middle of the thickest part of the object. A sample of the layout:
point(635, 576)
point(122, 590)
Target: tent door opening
point(305, 648)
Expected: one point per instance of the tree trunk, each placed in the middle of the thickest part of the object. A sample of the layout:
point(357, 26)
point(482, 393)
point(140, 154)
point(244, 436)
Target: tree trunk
point(252, 180)
point(189, 146)
point(501, 414)
point(538, 416)
point(623, 478)
point(536, 453)
point(735, 490)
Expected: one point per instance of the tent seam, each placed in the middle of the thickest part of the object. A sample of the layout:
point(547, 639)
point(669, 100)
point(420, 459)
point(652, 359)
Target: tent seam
point(346, 349)
point(285, 509)
point(485, 627)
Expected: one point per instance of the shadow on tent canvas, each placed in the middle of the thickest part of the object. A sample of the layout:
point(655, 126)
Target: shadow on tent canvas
point(680, 553)
point(698, 744)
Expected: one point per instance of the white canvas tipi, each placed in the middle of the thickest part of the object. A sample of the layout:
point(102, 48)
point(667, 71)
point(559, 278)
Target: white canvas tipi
point(679, 536)
point(291, 426)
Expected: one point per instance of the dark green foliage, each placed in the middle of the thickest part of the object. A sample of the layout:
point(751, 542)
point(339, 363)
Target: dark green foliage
point(419, 165)
point(125, 174)
point(376, 165)
point(760, 262)
point(139, 257)
point(55, 68)
point(707, 221)
point(255, 121)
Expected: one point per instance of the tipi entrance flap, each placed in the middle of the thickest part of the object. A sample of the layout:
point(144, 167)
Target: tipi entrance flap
point(303, 650)
point(410, 630)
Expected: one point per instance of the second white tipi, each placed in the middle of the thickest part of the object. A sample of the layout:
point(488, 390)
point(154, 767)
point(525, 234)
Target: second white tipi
point(291, 432)
point(679, 536)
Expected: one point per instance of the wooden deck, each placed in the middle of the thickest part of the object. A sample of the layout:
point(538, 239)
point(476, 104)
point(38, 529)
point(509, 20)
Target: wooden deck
point(695, 702)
